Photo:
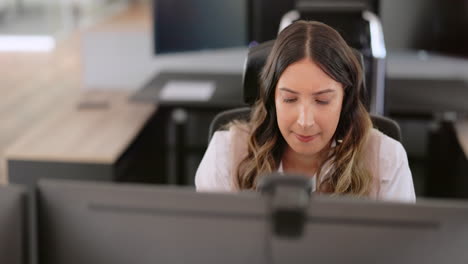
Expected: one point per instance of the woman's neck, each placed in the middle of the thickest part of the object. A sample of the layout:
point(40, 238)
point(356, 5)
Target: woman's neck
point(302, 164)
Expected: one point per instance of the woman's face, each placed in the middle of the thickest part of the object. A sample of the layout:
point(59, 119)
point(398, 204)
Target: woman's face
point(308, 105)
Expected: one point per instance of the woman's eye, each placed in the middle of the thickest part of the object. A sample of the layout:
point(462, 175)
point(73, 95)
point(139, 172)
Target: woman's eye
point(322, 102)
point(289, 100)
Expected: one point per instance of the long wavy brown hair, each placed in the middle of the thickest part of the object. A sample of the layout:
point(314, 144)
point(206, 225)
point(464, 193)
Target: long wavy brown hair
point(324, 46)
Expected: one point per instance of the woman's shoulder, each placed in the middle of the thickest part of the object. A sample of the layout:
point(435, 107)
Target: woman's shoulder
point(231, 144)
point(235, 134)
point(387, 149)
point(225, 150)
point(240, 127)
point(391, 166)
point(239, 137)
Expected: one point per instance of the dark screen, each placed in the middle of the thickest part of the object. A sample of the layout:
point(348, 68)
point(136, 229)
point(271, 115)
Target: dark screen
point(432, 25)
point(451, 31)
point(190, 25)
point(266, 17)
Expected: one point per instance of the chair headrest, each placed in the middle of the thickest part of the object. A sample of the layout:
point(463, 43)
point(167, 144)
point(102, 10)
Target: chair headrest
point(256, 59)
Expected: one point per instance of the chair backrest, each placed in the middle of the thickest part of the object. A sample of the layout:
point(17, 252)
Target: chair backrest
point(383, 124)
point(222, 119)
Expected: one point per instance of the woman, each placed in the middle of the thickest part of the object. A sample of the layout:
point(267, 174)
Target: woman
point(310, 120)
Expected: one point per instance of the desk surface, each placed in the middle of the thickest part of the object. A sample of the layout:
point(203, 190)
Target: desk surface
point(426, 83)
point(97, 132)
point(426, 65)
point(425, 96)
point(228, 93)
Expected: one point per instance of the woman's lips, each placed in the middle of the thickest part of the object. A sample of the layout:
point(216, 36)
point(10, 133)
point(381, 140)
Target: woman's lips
point(305, 139)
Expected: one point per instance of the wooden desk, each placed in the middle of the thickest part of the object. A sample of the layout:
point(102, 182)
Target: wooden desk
point(33, 87)
point(97, 128)
point(86, 139)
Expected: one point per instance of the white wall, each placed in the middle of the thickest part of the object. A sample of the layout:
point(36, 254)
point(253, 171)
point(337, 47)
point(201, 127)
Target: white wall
point(125, 59)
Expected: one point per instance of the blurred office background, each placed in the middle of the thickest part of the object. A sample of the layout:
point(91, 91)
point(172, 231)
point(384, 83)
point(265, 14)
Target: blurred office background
point(91, 49)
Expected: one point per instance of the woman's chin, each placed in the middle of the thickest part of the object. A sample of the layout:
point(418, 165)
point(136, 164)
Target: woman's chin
point(304, 151)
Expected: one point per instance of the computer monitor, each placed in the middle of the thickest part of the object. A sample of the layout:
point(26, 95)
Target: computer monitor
point(13, 247)
point(193, 25)
point(116, 223)
point(111, 223)
point(437, 26)
point(357, 231)
point(265, 17)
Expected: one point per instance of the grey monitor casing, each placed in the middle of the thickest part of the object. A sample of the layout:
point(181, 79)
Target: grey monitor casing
point(13, 239)
point(110, 223)
point(107, 223)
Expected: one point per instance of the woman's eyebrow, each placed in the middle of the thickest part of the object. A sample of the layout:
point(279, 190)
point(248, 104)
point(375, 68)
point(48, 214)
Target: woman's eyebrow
point(315, 93)
point(324, 91)
point(288, 90)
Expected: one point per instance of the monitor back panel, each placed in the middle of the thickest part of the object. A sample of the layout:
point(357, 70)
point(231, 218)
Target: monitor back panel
point(12, 225)
point(83, 223)
point(374, 232)
point(104, 223)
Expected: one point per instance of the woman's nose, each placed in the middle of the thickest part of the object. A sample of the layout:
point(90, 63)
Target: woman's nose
point(306, 117)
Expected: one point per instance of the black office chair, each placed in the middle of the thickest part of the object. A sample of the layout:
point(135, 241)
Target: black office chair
point(254, 63)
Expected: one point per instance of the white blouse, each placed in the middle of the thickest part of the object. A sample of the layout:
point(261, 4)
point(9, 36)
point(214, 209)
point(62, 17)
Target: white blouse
point(393, 181)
